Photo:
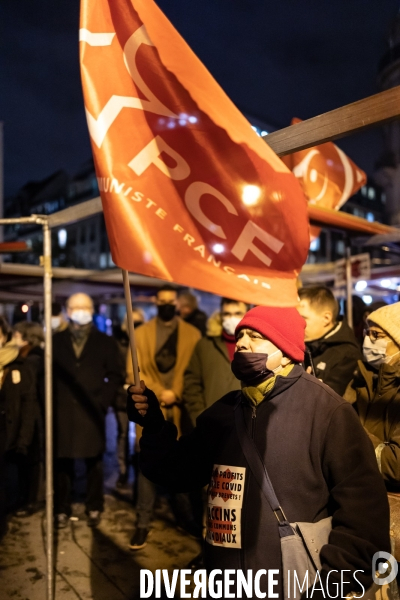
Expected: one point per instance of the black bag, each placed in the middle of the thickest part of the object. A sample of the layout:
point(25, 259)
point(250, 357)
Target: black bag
point(166, 356)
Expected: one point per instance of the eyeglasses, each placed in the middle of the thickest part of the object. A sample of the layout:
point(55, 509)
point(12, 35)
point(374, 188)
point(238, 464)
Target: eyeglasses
point(374, 335)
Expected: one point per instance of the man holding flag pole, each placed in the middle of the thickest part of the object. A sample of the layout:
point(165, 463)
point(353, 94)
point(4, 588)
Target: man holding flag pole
point(192, 195)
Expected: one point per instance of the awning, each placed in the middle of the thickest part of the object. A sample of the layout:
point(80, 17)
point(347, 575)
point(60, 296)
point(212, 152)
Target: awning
point(326, 217)
point(23, 282)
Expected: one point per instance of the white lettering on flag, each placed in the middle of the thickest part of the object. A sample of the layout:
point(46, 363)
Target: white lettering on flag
point(96, 39)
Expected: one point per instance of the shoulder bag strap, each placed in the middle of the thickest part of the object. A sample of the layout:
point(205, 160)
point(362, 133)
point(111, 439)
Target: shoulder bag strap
point(259, 470)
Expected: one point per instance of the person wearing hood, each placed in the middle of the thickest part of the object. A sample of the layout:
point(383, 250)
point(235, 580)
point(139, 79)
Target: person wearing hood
point(87, 370)
point(375, 390)
point(317, 456)
point(332, 348)
point(208, 375)
point(17, 406)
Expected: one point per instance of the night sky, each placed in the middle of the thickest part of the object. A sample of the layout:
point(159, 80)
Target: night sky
point(275, 60)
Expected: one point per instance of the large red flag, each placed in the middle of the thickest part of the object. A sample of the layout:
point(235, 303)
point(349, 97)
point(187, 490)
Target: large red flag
point(190, 193)
point(326, 174)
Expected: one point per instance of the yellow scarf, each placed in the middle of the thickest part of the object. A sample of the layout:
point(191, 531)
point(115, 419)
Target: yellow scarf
point(256, 394)
point(8, 353)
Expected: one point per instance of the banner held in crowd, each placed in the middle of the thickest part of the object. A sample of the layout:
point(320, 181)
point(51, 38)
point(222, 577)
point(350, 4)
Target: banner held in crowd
point(190, 193)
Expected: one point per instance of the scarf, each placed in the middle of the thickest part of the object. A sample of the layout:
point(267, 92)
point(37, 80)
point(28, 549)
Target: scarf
point(79, 336)
point(8, 353)
point(256, 394)
point(230, 342)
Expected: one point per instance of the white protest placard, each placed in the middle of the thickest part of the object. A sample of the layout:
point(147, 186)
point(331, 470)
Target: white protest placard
point(224, 506)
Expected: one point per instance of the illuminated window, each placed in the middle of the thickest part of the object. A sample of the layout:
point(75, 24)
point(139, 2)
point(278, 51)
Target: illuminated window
point(340, 247)
point(62, 238)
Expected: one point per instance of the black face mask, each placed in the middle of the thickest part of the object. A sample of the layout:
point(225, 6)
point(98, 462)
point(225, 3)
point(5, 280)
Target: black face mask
point(166, 312)
point(251, 367)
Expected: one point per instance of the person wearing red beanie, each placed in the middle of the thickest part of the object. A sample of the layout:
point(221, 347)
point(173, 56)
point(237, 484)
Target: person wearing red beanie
point(284, 327)
point(317, 455)
point(269, 342)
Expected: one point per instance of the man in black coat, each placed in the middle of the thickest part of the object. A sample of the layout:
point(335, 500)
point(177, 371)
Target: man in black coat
point(87, 372)
point(190, 312)
point(332, 349)
point(318, 458)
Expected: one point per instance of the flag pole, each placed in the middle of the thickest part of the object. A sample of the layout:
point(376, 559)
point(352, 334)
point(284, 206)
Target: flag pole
point(349, 286)
point(131, 327)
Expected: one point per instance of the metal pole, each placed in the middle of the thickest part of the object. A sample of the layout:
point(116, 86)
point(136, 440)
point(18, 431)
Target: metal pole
point(22, 220)
point(131, 327)
point(349, 287)
point(48, 359)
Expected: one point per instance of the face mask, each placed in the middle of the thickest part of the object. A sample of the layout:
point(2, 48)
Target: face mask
point(55, 322)
point(251, 367)
point(229, 324)
point(166, 312)
point(81, 317)
point(375, 352)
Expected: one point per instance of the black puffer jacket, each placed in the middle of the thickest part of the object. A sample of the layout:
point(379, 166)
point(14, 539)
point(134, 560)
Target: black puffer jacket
point(320, 462)
point(335, 357)
point(17, 399)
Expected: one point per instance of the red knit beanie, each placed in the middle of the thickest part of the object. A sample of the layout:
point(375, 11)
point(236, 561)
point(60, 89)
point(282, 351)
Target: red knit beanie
point(284, 327)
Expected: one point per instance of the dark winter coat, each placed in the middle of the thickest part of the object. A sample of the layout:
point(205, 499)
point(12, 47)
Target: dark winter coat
point(119, 404)
point(84, 388)
point(335, 357)
point(17, 399)
point(376, 397)
point(34, 357)
point(320, 462)
point(208, 376)
point(3, 516)
point(198, 319)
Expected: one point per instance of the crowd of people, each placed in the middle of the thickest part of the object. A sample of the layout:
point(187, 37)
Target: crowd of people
point(326, 398)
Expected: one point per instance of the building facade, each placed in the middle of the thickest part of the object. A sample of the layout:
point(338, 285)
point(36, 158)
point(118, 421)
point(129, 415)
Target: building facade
point(388, 167)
